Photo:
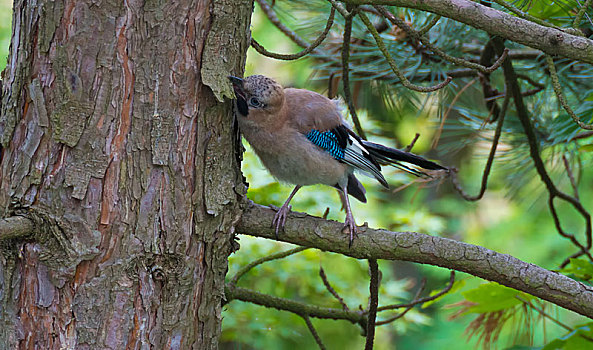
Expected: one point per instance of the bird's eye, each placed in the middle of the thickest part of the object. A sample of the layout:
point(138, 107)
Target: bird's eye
point(254, 102)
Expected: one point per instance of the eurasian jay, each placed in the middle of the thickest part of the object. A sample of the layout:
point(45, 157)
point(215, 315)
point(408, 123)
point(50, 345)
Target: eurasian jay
point(301, 138)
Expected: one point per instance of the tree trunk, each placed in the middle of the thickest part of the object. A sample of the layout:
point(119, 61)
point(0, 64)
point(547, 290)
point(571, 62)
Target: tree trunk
point(114, 139)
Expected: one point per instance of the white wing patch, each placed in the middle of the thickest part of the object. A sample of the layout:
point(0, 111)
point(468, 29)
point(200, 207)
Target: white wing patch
point(358, 156)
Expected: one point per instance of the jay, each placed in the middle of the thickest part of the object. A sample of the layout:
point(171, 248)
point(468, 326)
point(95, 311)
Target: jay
point(302, 138)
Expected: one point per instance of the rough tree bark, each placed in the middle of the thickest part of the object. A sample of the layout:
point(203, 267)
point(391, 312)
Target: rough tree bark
point(114, 139)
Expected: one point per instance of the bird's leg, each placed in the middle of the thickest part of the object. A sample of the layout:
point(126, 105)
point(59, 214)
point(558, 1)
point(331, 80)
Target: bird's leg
point(349, 222)
point(280, 217)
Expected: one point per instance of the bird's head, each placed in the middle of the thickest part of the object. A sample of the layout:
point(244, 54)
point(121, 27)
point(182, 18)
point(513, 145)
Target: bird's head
point(258, 95)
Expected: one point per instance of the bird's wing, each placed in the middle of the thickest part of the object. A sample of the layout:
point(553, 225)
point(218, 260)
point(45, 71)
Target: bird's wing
point(345, 146)
point(308, 110)
point(319, 119)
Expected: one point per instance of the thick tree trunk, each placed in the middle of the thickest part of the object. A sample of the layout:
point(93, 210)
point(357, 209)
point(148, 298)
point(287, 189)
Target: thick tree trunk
point(115, 140)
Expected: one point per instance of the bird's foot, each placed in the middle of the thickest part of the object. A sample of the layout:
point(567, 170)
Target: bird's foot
point(280, 218)
point(351, 225)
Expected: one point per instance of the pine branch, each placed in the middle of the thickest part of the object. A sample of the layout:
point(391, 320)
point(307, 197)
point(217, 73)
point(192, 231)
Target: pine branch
point(522, 113)
point(550, 40)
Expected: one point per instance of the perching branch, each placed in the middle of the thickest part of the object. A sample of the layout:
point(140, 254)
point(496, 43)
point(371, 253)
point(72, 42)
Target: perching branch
point(550, 40)
point(326, 235)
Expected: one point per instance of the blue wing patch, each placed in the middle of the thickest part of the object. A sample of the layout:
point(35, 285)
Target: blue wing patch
point(327, 141)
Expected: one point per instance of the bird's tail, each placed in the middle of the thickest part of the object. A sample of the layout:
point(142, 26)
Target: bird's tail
point(394, 157)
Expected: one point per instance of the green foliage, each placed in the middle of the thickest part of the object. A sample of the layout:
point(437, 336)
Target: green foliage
point(5, 30)
point(578, 339)
point(490, 297)
point(580, 269)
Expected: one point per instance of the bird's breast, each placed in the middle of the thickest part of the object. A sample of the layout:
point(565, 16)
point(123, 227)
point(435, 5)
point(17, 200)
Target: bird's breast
point(290, 157)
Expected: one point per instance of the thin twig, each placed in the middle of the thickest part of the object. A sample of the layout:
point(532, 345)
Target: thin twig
point(417, 301)
point(374, 294)
point(408, 308)
point(260, 261)
point(557, 224)
point(560, 95)
point(404, 81)
point(313, 331)
point(346, 75)
point(429, 26)
point(259, 48)
point(579, 17)
point(527, 93)
point(331, 289)
point(437, 135)
point(271, 14)
point(528, 79)
point(409, 147)
point(490, 160)
point(582, 135)
point(571, 177)
point(458, 61)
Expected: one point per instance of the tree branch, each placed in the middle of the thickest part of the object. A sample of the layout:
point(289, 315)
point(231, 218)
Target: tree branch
point(16, 227)
point(374, 302)
point(370, 243)
point(550, 40)
point(296, 307)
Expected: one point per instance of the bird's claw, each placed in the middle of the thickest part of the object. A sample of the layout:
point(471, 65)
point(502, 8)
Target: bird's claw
point(351, 225)
point(280, 218)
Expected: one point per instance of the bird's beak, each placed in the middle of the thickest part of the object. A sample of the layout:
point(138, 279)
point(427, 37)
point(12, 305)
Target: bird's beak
point(238, 86)
point(241, 95)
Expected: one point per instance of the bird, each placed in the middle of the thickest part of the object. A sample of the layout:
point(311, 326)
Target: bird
point(302, 138)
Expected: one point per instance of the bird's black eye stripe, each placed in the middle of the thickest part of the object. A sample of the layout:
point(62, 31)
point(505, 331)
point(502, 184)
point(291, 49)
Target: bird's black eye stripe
point(254, 102)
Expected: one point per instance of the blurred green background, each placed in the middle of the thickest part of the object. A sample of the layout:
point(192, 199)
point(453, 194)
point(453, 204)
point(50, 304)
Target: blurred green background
point(512, 217)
